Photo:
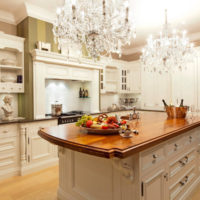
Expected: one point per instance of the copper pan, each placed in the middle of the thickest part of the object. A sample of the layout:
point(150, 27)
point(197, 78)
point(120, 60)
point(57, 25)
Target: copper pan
point(176, 112)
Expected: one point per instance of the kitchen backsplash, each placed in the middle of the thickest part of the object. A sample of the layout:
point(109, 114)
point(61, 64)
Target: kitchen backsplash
point(108, 99)
point(14, 104)
point(67, 94)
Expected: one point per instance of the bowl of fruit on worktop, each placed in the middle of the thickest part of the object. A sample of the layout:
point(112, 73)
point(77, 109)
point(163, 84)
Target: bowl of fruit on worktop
point(101, 125)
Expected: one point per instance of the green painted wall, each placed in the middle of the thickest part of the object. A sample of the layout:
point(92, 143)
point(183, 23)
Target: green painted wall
point(32, 30)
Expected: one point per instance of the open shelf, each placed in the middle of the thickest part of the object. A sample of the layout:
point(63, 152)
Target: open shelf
point(10, 67)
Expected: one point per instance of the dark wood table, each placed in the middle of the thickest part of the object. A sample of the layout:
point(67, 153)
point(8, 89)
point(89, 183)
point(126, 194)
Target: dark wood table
point(153, 127)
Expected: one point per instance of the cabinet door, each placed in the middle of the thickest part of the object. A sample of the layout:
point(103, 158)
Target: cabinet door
point(153, 185)
point(148, 96)
point(155, 87)
point(39, 149)
point(124, 80)
point(36, 148)
point(184, 85)
point(136, 80)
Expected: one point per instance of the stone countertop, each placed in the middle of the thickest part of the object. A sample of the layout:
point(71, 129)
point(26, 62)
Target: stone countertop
point(21, 120)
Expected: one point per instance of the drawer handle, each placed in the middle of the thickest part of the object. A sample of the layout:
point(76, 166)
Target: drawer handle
point(175, 147)
point(182, 163)
point(154, 158)
point(190, 139)
point(186, 159)
point(184, 181)
point(5, 131)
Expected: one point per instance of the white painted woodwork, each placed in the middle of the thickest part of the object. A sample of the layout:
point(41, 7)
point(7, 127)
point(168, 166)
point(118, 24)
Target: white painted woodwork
point(172, 86)
point(23, 151)
point(153, 174)
point(11, 47)
point(154, 185)
point(135, 70)
point(9, 150)
point(36, 153)
point(48, 65)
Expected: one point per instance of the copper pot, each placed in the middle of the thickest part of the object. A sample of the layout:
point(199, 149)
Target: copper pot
point(56, 109)
point(176, 112)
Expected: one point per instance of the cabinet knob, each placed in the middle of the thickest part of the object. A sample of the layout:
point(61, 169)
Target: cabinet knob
point(155, 156)
point(166, 176)
point(175, 147)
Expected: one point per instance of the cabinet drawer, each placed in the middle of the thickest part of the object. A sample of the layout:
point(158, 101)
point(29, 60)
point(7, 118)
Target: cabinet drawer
point(152, 158)
point(8, 130)
point(190, 138)
point(181, 163)
point(174, 146)
point(8, 145)
point(182, 184)
point(7, 161)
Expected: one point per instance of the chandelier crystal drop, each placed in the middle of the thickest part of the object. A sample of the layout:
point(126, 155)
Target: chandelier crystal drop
point(102, 26)
point(167, 53)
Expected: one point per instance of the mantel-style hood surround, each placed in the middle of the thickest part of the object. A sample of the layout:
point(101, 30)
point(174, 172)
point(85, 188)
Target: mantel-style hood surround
point(49, 65)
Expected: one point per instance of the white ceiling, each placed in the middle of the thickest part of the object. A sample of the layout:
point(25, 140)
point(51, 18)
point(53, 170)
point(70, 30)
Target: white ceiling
point(148, 14)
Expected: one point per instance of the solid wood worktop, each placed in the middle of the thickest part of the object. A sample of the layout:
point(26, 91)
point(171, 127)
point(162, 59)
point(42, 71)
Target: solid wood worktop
point(153, 127)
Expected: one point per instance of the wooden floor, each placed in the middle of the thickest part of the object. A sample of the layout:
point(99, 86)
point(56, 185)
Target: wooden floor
point(41, 186)
point(37, 186)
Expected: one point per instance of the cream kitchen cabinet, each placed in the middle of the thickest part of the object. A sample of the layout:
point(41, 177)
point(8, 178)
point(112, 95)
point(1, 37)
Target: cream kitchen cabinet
point(36, 153)
point(9, 150)
point(125, 80)
point(170, 170)
point(155, 87)
point(11, 63)
point(135, 71)
point(153, 185)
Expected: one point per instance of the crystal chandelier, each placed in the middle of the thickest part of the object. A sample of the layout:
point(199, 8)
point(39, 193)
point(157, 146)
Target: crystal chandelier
point(103, 26)
point(167, 53)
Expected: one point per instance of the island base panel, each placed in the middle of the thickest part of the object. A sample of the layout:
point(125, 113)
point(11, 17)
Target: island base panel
point(86, 177)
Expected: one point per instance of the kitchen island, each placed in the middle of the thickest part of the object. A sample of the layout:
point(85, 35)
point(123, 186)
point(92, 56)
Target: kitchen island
point(162, 162)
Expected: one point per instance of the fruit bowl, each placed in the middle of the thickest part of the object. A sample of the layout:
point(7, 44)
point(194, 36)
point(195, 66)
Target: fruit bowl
point(101, 125)
point(100, 131)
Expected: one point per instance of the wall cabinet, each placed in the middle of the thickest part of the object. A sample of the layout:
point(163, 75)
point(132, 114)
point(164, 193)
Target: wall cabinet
point(170, 86)
point(11, 64)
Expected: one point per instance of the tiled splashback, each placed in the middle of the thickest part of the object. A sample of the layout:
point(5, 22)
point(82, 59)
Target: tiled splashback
point(66, 92)
point(14, 105)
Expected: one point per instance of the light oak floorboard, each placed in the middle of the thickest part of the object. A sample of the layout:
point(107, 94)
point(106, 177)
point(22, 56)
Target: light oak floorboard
point(41, 185)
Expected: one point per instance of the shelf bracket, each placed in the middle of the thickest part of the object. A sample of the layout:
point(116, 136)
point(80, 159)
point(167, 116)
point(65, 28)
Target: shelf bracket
point(124, 167)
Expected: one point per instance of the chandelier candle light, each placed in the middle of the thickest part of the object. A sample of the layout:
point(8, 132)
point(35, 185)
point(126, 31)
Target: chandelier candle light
point(103, 26)
point(168, 52)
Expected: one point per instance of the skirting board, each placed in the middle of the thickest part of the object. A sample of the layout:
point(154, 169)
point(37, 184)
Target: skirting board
point(9, 173)
point(62, 195)
point(38, 166)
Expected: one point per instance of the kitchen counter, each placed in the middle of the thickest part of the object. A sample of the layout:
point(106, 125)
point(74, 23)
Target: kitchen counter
point(162, 162)
point(49, 117)
point(3, 122)
point(153, 127)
